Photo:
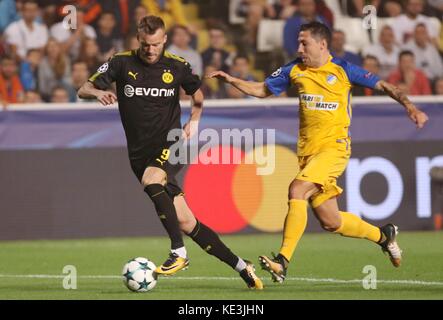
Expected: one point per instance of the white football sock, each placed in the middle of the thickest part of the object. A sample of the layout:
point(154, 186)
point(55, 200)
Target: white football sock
point(181, 252)
point(241, 265)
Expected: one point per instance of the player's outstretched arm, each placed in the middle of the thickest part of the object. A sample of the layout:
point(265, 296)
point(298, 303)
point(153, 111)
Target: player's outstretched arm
point(88, 91)
point(252, 88)
point(191, 127)
point(416, 115)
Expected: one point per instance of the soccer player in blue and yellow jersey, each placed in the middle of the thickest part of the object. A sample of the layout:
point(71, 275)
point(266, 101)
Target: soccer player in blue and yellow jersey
point(324, 85)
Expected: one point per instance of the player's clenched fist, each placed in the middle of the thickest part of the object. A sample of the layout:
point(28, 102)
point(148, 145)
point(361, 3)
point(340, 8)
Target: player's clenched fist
point(418, 117)
point(106, 97)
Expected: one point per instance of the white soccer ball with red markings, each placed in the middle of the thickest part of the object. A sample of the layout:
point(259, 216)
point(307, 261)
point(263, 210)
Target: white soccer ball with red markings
point(138, 275)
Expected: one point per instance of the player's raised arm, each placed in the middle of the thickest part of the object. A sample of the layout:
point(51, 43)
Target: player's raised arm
point(252, 88)
point(88, 91)
point(98, 84)
point(361, 77)
point(417, 116)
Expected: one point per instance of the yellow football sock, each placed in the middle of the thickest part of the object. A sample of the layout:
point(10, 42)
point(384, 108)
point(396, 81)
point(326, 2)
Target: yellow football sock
point(354, 227)
point(295, 224)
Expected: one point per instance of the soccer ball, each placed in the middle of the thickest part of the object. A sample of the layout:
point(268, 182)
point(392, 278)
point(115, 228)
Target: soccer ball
point(138, 275)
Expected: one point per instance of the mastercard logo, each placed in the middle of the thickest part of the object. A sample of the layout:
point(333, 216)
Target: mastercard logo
point(231, 197)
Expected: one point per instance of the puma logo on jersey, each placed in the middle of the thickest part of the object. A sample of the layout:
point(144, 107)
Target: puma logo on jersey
point(132, 74)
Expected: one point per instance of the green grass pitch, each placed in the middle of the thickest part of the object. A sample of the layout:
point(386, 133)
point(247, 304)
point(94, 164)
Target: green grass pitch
point(325, 266)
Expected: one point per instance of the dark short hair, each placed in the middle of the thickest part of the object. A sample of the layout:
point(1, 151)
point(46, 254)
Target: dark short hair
point(218, 27)
point(32, 50)
point(421, 24)
point(241, 56)
point(107, 12)
point(58, 88)
point(29, 1)
point(180, 26)
point(79, 62)
point(318, 30)
point(7, 57)
point(338, 31)
point(405, 53)
point(371, 57)
point(150, 24)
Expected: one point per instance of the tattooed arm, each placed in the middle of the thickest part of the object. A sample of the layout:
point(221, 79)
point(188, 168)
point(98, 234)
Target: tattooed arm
point(417, 116)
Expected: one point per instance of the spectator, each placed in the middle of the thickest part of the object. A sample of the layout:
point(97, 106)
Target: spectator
point(91, 9)
point(109, 42)
point(438, 86)
point(240, 69)
point(59, 95)
point(216, 55)
point(11, 89)
point(49, 12)
point(338, 41)
point(29, 69)
point(306, 13)
point(32, 96)
point(324, 11)
point(386, 51)
point(371, 64)
point(139, 12)
point(123, 15)
point(2, 47)
point(404, 24)
point(171, 11)
point(54, 69)
point(79, 74)
point(390, 8)
point(131, 43)
point(181, 39)
point(427, 57)
point(440, 40)
point(354, 8)
point(213, 88)
point(26, 33)
point(90, 54)
point(413, 80)
point(71, 39)
point(280, 9)
point(253, 12)
point(8, 14)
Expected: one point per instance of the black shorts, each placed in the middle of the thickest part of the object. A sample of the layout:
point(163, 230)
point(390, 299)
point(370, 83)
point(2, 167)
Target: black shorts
point(159, 159)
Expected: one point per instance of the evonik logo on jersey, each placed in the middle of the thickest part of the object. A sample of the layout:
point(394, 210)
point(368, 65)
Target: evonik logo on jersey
point(131, 91)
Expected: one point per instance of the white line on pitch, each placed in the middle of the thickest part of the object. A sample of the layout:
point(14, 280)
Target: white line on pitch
point(326, 280)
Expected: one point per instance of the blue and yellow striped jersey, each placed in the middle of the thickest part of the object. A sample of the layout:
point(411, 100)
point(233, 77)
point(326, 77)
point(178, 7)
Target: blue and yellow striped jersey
point(325, 99)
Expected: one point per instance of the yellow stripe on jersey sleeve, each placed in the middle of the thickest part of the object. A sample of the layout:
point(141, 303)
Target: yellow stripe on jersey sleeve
point(125, 53)
point(173, 56)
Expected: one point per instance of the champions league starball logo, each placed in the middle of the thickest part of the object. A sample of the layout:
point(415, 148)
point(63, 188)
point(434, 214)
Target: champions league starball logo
point(276, 73)
point(103, 68)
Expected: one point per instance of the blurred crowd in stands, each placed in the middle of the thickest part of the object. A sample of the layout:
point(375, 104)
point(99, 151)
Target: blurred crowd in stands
point(41, 60)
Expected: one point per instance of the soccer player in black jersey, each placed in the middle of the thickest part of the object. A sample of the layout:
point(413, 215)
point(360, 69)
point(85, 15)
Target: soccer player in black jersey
point(148, 81)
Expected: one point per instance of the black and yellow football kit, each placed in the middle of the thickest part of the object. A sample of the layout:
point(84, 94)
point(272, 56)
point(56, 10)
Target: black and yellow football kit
point(149, 106)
